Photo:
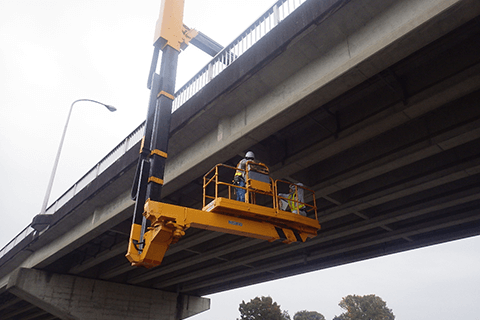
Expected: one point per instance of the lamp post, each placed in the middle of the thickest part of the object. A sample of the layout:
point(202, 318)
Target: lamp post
point(50, 183)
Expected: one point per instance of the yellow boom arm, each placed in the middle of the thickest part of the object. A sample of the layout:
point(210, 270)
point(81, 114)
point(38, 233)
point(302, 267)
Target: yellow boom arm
point(169, 223)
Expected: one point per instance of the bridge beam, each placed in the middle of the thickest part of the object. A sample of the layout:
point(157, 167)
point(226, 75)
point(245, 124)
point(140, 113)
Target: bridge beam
point(71, 297)
point(351, 45)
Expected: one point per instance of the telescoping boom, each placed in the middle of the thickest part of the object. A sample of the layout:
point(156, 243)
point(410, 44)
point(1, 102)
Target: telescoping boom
point(157, 225)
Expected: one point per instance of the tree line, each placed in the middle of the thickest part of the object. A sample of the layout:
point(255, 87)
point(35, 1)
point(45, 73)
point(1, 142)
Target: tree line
point(368, 307)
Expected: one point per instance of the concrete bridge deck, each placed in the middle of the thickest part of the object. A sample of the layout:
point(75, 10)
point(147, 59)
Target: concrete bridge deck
point(371, 103)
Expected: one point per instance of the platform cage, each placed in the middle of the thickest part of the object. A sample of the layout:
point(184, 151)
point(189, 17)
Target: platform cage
point(260, 189)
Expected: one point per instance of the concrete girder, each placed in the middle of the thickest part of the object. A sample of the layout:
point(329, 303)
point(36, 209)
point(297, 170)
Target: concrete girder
point(119, 269)
point(384, 37)
point(15, 313)
point(432, 145)
point(113, 252)
point(411, 187)
point(232, 263)
point(71, 297)
point(36, 315)
point(399, 190)
point(185, 244)
point(8, 304)
point(417, 210)
point(341, 249)
point(329, 235)
point(210, 254)
point(419, 105)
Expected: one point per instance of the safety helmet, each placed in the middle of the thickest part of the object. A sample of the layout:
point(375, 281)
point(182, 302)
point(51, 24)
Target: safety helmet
point(250, 155)
point(292, 186)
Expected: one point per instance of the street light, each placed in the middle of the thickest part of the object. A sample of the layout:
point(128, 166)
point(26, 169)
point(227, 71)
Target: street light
point(49, 188)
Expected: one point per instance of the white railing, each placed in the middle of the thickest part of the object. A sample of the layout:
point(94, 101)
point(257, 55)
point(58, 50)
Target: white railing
point(271, 18)
point(267, 21)
point(22, 235)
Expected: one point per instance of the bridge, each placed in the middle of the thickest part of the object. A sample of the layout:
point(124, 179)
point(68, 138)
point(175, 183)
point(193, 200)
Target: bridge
point(371, 103)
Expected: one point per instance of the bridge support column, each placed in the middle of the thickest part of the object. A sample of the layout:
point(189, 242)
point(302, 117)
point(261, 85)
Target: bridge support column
point(71, 297)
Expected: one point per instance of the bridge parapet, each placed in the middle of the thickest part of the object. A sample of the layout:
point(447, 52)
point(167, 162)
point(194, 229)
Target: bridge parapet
point(258, 29)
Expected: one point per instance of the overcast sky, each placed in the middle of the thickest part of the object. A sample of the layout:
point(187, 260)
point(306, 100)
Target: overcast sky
point(53, 52)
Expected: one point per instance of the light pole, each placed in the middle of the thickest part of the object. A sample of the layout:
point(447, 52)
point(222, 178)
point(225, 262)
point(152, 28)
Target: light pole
point(50, 183)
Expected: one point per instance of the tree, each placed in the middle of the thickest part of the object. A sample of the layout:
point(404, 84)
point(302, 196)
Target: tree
point(308, 315)
point(369, 307)
point(263, 308)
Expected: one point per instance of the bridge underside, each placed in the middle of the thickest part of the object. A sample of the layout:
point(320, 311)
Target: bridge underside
point(390, 144)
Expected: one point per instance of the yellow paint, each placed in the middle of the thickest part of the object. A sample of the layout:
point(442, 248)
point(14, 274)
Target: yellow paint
point(260, 186)
point(159, 153)
point(169, 27)
point(156, 180)
point(166, 94)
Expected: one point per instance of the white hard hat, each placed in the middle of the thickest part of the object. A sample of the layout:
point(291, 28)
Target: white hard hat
point(250, 155)
point(292, 186)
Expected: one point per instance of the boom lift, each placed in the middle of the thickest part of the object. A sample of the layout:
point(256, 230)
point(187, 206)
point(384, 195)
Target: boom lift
point(157, 225)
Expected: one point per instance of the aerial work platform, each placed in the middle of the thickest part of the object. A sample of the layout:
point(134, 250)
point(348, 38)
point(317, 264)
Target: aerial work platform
point(258, 217)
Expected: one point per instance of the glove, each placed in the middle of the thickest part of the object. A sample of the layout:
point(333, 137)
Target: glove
point(236, 179)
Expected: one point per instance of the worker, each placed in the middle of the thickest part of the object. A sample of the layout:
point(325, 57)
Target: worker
point(239, 178)
point(295, 199)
